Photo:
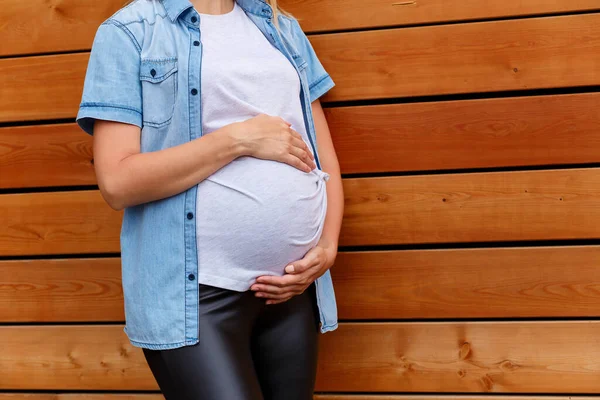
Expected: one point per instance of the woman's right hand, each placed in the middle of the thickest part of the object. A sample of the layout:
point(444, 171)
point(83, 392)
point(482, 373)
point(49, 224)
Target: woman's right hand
point(272, 138)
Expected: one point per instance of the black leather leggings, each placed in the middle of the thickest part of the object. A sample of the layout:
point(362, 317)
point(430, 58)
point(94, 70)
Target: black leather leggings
point(247, 351)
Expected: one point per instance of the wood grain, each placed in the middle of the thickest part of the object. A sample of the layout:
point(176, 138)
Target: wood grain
point(517, 131)
point(517, 357)
point(58, 223)
point(466, 357)
point(115, 396)
point(45, 155)
point(68, 25)
point(482, 207)
point(456, 283)
point(327, 15)
point(61, 290)
point(55, 26)
point(476, 207)
point(468, 283)
point(463, 58)
point(42, 87)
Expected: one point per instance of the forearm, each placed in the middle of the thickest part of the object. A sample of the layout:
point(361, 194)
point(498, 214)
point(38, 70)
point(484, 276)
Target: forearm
point(144, 177)
point(333, 220)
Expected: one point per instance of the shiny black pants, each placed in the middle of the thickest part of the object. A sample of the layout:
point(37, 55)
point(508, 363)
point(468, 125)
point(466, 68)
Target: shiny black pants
point(247, 351)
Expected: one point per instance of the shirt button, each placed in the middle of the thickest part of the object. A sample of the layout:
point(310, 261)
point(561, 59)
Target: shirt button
point(190, 215)
point(191, 277)
point(194, 19)
point(196, 43)
point(152, 72)
point(194, 92)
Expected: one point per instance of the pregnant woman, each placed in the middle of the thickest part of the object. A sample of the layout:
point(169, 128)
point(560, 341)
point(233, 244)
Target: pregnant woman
point(206, 122)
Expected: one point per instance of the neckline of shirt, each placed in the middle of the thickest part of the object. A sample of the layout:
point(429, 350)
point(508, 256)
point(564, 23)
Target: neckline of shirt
point(220, 16)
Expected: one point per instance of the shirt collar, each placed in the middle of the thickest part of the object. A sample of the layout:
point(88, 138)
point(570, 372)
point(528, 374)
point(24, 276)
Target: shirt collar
point(174, 8)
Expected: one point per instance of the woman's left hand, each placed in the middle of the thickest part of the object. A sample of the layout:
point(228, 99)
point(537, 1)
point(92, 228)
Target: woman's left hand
point(299, 275)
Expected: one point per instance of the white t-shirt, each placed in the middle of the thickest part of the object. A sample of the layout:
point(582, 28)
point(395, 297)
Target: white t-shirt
point(253, 216)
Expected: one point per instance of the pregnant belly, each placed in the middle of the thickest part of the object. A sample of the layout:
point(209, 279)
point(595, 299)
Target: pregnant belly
point(255, 216)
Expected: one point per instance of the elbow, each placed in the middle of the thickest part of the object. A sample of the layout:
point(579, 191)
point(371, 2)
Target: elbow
point(113, 194)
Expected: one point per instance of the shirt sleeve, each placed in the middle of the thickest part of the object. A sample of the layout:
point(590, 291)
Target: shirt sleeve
point(112, 88)
point(319, 81)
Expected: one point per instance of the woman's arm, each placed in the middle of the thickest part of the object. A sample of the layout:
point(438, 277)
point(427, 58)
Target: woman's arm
point(335, 192)
point(128, 177)
point(320, 258)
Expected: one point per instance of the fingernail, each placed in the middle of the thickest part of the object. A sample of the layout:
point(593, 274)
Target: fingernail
point(289, 268)
point(259, 295)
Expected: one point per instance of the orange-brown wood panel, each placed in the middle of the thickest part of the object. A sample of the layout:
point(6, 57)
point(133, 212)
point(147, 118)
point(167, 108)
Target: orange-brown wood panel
point(45, 155)
point(114, 396)
point(476, 207)
point(517, 357)
point(519, 131)
point(468, 283)
point(42, 26)
point(325, 15)
point(57, 223)
point(61, 290)
point(42, 87)
point(462, 58)
point(455, 283)
point(430, 397)
point(538, 130)
point(482, 207)
point(68, 25)
point(461, 357)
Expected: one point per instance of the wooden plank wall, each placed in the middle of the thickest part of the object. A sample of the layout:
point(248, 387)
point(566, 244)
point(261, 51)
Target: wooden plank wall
point(469, 139)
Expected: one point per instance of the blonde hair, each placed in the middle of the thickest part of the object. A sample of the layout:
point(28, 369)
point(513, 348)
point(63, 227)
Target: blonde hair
point(273, 3)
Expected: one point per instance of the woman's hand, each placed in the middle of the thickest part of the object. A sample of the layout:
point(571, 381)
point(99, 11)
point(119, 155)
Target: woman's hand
point(299, 275)
point(272, 138)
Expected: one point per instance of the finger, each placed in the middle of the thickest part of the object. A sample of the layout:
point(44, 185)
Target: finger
point(296, 162)
point(280, 281)
point(303, 156)
point(273, 301)
point(259, 289)
point(298, 136)
point(310, 260)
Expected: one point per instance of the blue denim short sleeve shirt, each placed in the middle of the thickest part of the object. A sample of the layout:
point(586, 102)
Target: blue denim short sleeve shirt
point(144, 70)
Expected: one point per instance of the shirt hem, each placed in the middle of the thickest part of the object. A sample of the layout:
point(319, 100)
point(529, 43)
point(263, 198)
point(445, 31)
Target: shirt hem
point(224, 283)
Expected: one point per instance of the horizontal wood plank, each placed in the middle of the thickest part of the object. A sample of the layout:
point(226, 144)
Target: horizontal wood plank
point(462, 58)
point(58, 223)
point(55, 26)
point(327, 15)
point(115, 396)
point(519, 131)
point(468, 283)
point(488, 133)
point(457, 283)
point(45, 155)
point(481, 207)
point(508, 357)
point(41, 87)
point(70, 290)
point(476, 207)
point(518, 357)
point(70, 25)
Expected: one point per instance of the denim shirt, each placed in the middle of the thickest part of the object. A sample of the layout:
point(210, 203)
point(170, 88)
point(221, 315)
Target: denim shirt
point(144, 69)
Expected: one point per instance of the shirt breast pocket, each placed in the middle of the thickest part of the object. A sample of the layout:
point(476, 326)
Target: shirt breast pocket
point(159, 90)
